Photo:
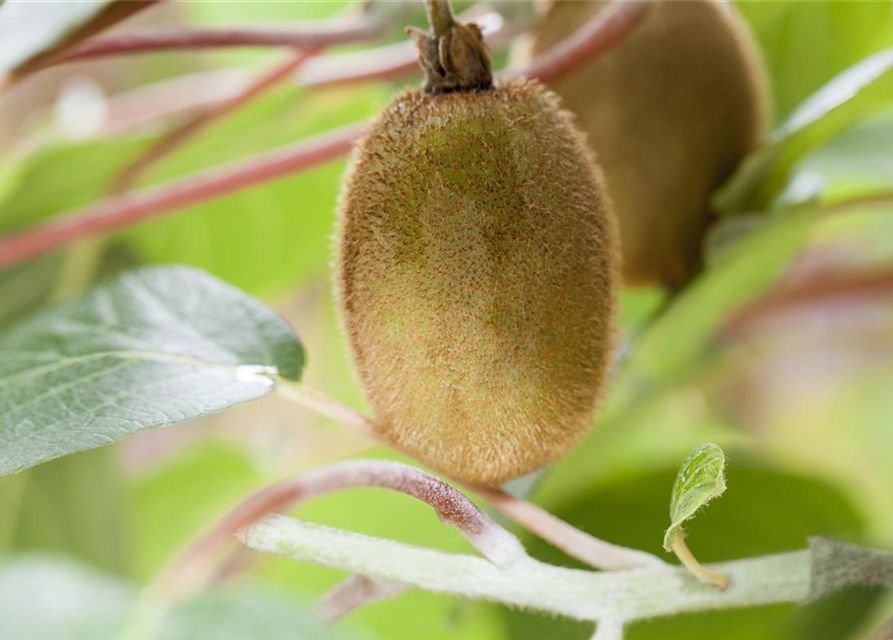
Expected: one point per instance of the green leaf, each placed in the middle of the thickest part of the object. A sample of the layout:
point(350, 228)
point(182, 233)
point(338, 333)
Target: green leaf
point(150, 348)
point(805, 44)
point(849, 98)
point(701, 478)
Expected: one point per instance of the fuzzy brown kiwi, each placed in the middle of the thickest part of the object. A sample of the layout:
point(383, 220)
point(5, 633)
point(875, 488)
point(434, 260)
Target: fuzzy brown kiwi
point(670, 112)
point(476, 269)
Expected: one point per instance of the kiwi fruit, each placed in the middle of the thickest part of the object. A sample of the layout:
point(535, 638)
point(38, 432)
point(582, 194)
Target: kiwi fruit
point(477, 262)
point(670, 112)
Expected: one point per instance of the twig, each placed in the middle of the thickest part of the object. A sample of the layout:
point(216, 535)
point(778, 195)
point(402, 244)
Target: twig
point(192, 568)
point(715, 578)
point(578, 544)
point(605, 30)
point(124, 210)
point(111, 14)
point(353, 593)
point(343, 30)
point(620, 597)
point(180, 135)
point(575, 543)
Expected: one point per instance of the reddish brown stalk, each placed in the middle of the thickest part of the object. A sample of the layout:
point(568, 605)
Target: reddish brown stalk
point(128, 209)
point(607, 29)
point(354, 592)
point(112, 14)
point(572, 541)
point(355, 28)
point(195, 565)
point(182, 134)
point(838, 289)
point(577, 544)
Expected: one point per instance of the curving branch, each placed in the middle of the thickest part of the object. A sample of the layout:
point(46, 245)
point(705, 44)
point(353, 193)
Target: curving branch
point(577, 544)
point(354, 592)
point(605, 30)
point(125, 210)
point(193, 567)
point(342, 30)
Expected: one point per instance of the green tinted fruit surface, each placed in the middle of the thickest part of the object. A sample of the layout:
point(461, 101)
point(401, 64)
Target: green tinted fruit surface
point(669, 112)
point(476, 274)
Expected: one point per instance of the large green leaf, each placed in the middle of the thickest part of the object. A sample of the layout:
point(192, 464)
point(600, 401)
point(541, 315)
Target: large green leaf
point(849, 98)
point(805, 44)
point(153, 347)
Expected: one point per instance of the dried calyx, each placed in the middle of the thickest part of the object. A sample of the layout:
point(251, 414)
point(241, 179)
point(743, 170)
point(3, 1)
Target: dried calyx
point(453, 56)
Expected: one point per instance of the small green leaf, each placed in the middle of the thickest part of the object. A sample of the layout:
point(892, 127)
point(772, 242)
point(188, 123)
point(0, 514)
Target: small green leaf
point(861, 90)
point(700, 479)
point(152, 347)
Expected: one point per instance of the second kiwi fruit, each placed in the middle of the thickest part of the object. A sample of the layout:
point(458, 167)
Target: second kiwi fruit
point(670, 112)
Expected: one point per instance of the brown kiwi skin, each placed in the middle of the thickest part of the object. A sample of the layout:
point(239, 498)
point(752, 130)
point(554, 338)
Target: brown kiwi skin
point(477, 262)
point(670, 112)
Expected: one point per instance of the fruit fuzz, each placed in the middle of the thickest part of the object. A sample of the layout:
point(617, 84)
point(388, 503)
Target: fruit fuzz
point(670, 112)
point(476, 268)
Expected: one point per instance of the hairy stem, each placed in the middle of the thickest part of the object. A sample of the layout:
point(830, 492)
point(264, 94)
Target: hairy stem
point(715, 578)
point(192, 569)
point(572, 541)
point(620, 597)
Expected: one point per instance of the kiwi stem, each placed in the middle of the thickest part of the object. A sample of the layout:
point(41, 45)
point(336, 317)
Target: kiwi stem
point(439, 16)
point(575, 543)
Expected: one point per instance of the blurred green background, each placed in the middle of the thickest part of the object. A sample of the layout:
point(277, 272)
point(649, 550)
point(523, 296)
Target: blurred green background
point(801, 401)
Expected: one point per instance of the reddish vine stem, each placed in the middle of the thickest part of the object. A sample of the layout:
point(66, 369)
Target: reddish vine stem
point(106, 215)
point(111, 14)
point(354, 592)
point(125, 210)
point(195, 565)
point(577, 544)
point(312, 36)
point(180, 135)
point(607, 29)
